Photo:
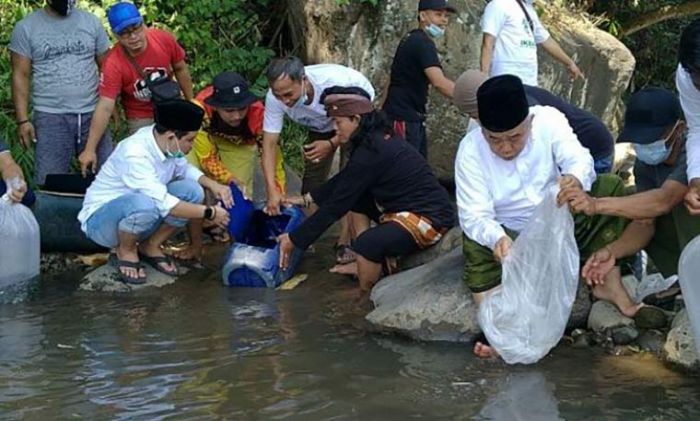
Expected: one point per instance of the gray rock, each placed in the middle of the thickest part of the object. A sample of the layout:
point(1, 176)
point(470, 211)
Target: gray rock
point(624, 335)
point(581, 309)
point(605, 317)
point(365, 38)
point(652, 341)
point(680, 346)
point(429, 303)
point(106, 279)
point(450, 241)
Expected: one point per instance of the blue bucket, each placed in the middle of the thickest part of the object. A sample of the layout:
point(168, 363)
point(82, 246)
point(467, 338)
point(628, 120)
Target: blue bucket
point(241, 214)
point(253, 262)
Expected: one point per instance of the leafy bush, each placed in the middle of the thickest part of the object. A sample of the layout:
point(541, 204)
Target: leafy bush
point(217, 35)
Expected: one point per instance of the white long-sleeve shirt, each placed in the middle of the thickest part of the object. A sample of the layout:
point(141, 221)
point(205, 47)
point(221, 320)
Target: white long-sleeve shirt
point(493, 192)
point(313, 116)
point(690, 101)
point(137, 165)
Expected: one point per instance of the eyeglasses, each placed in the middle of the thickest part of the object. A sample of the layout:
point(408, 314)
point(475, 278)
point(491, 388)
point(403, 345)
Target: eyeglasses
point(132, 30)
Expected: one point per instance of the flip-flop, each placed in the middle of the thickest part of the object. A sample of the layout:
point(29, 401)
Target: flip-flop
point(156, 261)
point(114, 261)
point(344, 254)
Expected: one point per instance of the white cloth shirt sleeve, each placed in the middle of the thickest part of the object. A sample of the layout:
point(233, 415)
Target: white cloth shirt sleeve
point(541, 33)
point(141, 177)
point(477, 216)
point(185, 170)
point(273, 121)
point(493, 19)
point(570, 156)
point(690, 102)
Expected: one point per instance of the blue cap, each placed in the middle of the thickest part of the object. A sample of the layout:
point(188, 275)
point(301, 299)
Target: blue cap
point(650, 113)
point(123, 15)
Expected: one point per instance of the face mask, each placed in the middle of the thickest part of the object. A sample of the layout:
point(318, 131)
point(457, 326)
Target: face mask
point(434, 31)
point(653, 153)
point(62, 7)
point(303, 97)
point(174, 155)
point(529, 2)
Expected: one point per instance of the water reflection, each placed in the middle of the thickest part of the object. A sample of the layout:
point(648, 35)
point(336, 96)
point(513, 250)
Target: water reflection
point(197, 350)
point(522, 396)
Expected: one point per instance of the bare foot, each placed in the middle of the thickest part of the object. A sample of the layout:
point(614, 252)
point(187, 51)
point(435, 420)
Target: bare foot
point(482, 350)
point(631, 311)
point(191, 252)
point(348, 269)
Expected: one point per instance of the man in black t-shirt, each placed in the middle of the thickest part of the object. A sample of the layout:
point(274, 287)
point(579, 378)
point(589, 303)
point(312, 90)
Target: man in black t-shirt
point(661, 224)
point(416, 66)
point(589, 129)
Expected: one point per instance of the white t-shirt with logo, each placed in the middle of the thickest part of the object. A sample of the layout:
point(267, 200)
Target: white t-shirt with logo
point(313, 116)
point(515, 51)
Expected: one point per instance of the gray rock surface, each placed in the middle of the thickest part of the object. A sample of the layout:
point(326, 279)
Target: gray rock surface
point(429, 303)
point(605, 317)
point(624, 335)
point(652, 341)
point(680, 346)
point(450, 241)
point(581, 308)
point(365, 38)
point(106, 279)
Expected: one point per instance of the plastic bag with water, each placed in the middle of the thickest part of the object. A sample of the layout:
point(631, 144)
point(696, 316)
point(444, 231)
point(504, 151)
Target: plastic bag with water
point(688, 270)
point(525, 317)
point(20, 251)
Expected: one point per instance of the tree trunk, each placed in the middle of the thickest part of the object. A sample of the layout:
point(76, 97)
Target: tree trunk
point(659, 15)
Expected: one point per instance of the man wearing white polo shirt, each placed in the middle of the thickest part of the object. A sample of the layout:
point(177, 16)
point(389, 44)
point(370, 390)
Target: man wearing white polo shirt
point(688, 85)
point(512, 31)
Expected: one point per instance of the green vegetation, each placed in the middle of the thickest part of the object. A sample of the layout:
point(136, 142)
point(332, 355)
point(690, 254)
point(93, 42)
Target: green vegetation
point(242, 35)
point(217, 35)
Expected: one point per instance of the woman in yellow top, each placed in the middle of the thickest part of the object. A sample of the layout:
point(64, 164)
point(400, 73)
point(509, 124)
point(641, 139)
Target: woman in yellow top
point(227, 149)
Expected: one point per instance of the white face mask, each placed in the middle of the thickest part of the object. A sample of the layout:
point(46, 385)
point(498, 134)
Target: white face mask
point(303, 97)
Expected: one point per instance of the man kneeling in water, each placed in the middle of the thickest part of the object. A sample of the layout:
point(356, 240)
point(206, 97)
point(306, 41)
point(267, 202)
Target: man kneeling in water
point(385, 178)
point(503, 172)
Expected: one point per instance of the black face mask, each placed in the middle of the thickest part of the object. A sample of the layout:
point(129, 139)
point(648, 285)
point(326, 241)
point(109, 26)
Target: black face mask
point(62, 7)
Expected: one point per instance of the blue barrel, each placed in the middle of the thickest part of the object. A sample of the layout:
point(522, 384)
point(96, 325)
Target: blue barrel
point(254, 261)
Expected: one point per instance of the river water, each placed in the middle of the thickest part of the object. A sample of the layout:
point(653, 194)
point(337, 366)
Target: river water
point(198, 350)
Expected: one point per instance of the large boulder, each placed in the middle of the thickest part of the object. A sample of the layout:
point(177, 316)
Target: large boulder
point(365, 37)
point(680, 346)
point(429, 303)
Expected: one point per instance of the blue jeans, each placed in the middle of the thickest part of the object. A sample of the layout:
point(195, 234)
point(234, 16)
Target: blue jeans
point(136, 213)
point(27, 200)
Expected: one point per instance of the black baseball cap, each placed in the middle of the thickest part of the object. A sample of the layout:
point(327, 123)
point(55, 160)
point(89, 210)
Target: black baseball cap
point(650, 112)
point(435, 5)
point(230, 91)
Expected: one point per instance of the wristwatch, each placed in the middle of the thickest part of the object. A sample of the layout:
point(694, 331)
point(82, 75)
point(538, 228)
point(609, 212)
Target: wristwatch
point(209, 213)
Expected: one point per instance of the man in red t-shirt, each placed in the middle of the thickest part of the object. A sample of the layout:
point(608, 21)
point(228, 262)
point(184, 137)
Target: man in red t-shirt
point(154, 53)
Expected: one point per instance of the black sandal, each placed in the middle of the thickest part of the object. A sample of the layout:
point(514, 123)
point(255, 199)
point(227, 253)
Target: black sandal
point(156, 261)
point(115, 262)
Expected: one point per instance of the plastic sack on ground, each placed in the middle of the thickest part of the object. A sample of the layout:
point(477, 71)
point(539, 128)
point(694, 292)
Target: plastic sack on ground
point(652, 284)
point(688, 270)
point(19, 231)
point(525, 317)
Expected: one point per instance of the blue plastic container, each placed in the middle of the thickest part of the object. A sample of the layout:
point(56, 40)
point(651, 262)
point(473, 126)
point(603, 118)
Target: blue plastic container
point(241, 214)
point(254, 262)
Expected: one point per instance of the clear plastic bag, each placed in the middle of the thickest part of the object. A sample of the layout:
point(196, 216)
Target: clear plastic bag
point(525, 317)
point(652, 284)
point(20, 251)
point(688, 270)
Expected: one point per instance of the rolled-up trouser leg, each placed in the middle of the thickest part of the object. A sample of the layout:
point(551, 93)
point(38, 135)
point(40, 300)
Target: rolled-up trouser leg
point(188, 191)
point(132, 213)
